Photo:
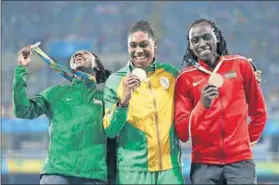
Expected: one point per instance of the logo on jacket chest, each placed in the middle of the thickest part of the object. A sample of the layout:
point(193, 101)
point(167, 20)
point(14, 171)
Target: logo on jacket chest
point(96, 101)
point(231, 74)
point(69, 99)
point(197, 82)
point(165, 82)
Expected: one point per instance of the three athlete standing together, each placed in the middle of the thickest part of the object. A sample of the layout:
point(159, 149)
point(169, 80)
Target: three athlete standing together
point(208, 102)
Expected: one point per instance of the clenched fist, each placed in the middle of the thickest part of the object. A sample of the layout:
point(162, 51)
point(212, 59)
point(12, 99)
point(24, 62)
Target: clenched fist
point(24, 56)
point(208, 94)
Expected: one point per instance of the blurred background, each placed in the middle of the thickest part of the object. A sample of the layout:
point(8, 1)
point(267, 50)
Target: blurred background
point(250, 28)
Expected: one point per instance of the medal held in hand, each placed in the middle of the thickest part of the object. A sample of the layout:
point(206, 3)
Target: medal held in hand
point(140, 73)
point(216, 80)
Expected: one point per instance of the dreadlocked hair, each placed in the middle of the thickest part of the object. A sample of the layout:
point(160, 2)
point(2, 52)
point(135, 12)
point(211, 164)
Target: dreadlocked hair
point(190, 58)
point(101, 73)
point(143, 26)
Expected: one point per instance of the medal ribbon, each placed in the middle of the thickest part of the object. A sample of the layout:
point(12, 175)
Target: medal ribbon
point(62, 70)
point(201, 68)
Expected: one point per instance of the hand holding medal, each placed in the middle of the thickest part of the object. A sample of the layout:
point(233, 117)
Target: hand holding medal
point(215, 78)
point(130, 83)
point(215, 81)
point(140, 73)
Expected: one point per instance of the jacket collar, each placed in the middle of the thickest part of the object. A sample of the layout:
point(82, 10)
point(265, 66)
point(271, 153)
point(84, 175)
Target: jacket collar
point(78, 82)
point(206, 66)
point(150, 69)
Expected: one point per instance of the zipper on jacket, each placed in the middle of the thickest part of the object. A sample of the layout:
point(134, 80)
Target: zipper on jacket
point(81, 136)
point(80, 152)
point(157, 127)
point(222, 130)
point(79, 149)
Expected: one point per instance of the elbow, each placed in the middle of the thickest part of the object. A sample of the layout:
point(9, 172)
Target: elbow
point(20, 112)
point(265, 116)
point(182, 133)
point(182, 136)
point(110, 134)
point(184, 139)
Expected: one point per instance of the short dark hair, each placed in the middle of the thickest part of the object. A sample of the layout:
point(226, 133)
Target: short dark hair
point(143, 26)
point(190, 58)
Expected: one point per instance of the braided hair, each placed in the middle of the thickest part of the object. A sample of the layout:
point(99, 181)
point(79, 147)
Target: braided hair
point(143, 26)
point(101, 73)
point(190, 58)
point(99, 70)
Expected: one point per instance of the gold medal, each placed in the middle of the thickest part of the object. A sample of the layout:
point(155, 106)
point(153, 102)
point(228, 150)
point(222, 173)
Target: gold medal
point(140, 73)
point(216, 80)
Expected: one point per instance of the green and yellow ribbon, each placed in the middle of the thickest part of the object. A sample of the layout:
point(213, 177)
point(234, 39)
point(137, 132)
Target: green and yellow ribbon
point(66, 72)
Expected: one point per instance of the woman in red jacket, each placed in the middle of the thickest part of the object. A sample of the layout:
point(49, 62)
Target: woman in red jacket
point(213, 99)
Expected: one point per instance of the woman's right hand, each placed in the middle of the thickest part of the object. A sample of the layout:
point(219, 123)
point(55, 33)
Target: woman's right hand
point(24, 56)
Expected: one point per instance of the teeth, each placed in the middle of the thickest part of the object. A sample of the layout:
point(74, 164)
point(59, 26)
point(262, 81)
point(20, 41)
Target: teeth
point(206, 50)
point(140, 58)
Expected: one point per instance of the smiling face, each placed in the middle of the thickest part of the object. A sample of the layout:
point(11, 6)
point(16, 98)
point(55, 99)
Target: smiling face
point(141, 48)
point(203, 41)
point(82, 60)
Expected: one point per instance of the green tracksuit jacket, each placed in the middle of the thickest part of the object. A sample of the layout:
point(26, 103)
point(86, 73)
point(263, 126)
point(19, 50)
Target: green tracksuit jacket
point(77, 145)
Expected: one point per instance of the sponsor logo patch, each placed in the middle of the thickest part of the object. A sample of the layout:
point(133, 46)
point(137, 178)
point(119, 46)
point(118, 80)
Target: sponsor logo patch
point(230, 75)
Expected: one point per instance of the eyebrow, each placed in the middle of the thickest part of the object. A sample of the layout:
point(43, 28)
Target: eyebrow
point(200, 35)
point(144, 41)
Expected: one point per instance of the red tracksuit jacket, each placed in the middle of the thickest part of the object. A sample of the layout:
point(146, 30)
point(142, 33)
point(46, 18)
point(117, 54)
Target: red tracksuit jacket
point(220, 134)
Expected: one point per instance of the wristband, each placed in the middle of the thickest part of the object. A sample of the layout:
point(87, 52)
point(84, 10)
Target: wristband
point(121, 105)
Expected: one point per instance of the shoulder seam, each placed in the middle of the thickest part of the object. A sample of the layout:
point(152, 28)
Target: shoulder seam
point(183, 72)
point(233, 58)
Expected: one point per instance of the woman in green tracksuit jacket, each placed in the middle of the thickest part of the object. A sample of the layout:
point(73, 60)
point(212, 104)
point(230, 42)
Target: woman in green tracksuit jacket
point(77, 147)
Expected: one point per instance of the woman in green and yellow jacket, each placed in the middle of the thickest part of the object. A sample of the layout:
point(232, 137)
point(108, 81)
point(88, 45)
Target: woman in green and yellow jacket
point(77, 146)
point(140, 113)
